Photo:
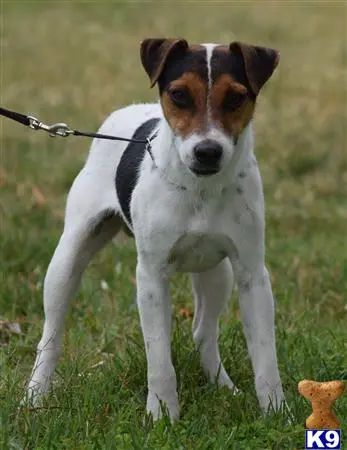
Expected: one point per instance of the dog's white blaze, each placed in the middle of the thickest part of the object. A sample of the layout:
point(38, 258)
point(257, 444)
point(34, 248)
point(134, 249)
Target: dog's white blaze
point(209, 52)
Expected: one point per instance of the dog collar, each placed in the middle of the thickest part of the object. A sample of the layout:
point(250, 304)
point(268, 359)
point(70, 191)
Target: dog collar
point(161, 171)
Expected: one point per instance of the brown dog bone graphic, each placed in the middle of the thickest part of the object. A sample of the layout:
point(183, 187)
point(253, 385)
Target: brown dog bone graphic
point(322, 396)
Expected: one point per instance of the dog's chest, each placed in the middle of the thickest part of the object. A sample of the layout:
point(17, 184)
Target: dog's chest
point(198, 251)
point(204, 243)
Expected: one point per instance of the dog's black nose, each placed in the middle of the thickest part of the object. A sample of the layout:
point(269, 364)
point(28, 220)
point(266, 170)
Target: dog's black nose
point(208, 152)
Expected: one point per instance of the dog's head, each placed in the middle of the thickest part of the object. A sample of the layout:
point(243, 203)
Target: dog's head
point(208, 94)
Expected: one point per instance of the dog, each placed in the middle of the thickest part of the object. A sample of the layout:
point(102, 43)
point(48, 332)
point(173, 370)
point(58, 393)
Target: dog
point(193, 201)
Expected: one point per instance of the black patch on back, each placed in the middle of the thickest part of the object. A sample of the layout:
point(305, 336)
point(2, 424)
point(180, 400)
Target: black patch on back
point(127, 170)
point(224, 61)
point(180, 61)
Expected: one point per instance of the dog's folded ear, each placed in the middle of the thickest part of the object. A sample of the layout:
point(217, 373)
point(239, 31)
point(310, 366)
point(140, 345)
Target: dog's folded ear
point(155, 52)
point(259, 63)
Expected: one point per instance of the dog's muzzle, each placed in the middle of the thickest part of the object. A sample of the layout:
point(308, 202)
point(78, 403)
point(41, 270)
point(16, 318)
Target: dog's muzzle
point(207, 156)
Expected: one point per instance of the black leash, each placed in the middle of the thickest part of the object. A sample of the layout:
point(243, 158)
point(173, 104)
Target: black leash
point(63, 130)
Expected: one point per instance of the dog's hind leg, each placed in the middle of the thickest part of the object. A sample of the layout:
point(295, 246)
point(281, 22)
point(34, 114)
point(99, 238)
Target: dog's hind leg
point(90, 222)
point(212, 290)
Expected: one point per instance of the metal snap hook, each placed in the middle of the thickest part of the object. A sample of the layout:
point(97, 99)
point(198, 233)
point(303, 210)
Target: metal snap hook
point(57, 129)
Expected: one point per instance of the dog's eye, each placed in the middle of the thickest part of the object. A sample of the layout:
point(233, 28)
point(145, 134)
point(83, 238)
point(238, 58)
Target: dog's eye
point(181, 98)
point(233, 100)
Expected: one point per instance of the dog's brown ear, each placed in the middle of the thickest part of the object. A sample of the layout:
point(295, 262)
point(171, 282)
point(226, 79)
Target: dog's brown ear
point(154, 54)
point(259, 62)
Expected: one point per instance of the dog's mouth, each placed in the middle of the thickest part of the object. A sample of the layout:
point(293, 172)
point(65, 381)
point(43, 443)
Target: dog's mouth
point(204, 171)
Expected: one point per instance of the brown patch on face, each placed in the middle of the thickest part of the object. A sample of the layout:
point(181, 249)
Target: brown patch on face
point(185, 121)
point(231, 108)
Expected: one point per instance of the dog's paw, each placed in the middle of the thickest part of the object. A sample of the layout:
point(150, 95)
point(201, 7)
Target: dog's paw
point(276, 404)
point(223, 380)
point(288, 414)
point(158, 407)
point(33, 398)
point(231, 386)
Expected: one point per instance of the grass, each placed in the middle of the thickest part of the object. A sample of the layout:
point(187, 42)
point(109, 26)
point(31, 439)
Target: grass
point(76, 62)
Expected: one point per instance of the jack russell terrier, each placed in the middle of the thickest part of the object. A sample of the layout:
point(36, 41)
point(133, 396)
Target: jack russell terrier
point(194, 203)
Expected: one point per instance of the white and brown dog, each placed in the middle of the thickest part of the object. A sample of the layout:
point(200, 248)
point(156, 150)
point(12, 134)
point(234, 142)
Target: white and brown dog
point(194, 203)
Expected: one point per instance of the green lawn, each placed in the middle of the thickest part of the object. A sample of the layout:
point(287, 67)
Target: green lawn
point(76, 62)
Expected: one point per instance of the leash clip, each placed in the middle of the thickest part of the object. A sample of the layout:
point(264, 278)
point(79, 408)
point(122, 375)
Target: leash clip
point(148, 144)
point(148, 148)
point(57, 129)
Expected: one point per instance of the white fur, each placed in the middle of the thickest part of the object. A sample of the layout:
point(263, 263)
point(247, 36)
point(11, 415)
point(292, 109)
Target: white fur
point(212, 229)
point(209, 53)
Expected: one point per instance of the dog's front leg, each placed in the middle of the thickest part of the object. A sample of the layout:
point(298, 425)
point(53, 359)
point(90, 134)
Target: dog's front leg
point(155, 315)
point(257, 312)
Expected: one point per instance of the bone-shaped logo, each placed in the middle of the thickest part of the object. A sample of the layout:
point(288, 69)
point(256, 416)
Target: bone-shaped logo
point(322, 396)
